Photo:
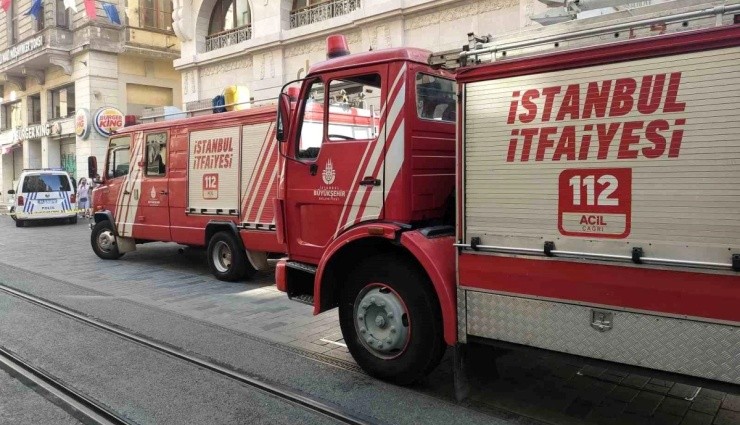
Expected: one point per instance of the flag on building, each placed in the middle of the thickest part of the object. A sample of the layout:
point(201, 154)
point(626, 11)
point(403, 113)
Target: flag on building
point(90, 9)
point(70, 4)
point(112, 13)
point(35, 10)
point(6, 5)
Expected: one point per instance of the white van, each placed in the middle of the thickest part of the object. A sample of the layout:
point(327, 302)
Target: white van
point(44, 194)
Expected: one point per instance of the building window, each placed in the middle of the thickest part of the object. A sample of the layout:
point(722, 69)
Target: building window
point(39, 23)
point(306, 12)
point(231, 23)
point(12, 24)
point(34, 109)
point(62, 13)
point(156, 14)
point(12, 115)
point(62, 101)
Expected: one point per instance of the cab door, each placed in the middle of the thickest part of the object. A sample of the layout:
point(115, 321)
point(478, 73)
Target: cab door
point(152, 220)
point(337, 180)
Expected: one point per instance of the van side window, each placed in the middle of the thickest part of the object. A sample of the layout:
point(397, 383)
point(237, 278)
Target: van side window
point(435, 98)
point(156, 154)
point(118, 157)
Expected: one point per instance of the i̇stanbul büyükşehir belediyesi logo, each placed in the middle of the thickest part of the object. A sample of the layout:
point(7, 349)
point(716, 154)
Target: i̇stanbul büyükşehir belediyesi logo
point(328, 174)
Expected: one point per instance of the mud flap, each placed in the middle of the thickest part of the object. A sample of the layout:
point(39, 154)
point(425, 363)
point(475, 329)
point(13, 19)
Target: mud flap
point(459, 374)
point(258, 259)
point(125, 244)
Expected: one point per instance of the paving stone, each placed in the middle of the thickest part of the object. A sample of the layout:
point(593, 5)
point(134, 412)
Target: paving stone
point(727, 417)
point(696, 418)
point(661, 382)
point(706, 405)
point(674, 406)
point(594, 371)
point(635, 381)
point(731, 402)
point(608, 412)
point(580, 408)
point(611, 376)
point(683, 391)
point(705, 392)
point(662, 418)
point(644, 404)
point(272, 326)
point(623, 394)
point(658, 389)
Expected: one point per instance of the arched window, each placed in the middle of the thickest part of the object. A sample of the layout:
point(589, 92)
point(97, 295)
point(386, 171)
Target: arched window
point(228, 15)
point(231, 23)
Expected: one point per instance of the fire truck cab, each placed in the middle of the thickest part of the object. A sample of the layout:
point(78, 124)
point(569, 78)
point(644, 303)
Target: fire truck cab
point(370, 198)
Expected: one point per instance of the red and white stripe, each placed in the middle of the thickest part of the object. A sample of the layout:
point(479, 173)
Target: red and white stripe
point(262, 183)
point(371, 197)
point(126, 205)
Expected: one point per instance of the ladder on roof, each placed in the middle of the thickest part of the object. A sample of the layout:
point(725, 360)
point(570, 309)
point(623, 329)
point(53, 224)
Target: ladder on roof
point(586, 33)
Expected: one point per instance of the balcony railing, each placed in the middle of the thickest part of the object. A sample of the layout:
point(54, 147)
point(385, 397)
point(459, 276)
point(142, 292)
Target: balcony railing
point(322, 12)
point(228, 38)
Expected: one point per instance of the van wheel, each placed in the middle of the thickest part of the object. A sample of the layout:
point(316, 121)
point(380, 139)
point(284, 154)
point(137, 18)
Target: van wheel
point(20, 223)
point(227, 259)
point(72, 220)
point(103, 241)
point(391, 320)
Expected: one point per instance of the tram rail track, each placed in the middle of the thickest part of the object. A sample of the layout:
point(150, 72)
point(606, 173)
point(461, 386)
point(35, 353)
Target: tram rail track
point(75, 402)
point(280, 392)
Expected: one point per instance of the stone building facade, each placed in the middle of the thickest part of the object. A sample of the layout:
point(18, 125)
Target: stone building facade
point(262, 44)
point(64, 64)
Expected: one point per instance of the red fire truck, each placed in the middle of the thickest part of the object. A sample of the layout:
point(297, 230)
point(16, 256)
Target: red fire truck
point(580, 196)
point(206, 181)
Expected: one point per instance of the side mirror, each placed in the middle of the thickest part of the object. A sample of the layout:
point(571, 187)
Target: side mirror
point(92, 166)
point(283, 117)
point(11, 192)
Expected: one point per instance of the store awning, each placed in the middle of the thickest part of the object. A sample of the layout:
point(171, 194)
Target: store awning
point(5, 149)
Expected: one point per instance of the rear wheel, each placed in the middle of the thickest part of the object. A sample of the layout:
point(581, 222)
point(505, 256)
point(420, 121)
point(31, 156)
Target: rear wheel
point(20, 223)
point(103, 241)
point(72, 220)
point(227, 259)
point(391, 320)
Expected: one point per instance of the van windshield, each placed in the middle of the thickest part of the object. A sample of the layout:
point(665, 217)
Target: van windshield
point(46, 183)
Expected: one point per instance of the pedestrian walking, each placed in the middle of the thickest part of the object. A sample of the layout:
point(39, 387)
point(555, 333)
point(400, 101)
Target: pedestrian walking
point(83, 197)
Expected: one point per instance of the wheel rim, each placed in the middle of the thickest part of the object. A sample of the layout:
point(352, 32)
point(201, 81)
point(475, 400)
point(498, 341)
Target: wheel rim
point(222, 257)
point(382, 321)
point(106, 241)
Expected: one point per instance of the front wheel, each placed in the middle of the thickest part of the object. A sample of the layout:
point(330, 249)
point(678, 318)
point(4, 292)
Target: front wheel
point(103, 241)
point(227, 259)
point(391, 320)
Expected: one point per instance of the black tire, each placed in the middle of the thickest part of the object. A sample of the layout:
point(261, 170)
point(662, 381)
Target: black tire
point(404, 281)
point(227, 258)
point(72, 220)
point(20, 223)
point(103, 241)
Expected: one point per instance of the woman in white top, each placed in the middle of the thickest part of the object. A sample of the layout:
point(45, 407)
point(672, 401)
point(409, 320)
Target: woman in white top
point(83, 196)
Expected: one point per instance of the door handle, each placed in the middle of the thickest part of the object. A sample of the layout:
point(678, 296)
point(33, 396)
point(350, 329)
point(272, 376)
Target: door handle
point(126, 192)
point(163, 192)
point(370, 181)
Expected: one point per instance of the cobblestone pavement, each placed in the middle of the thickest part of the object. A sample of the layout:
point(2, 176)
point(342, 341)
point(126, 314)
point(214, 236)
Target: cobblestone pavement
point(173, 279)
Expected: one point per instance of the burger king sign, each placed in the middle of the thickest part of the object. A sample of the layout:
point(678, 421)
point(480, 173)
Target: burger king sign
point(108, 120)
